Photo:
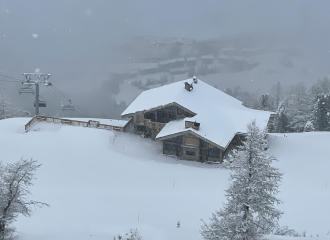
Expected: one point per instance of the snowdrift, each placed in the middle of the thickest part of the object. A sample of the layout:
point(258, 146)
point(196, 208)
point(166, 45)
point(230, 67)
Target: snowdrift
point(100, 183)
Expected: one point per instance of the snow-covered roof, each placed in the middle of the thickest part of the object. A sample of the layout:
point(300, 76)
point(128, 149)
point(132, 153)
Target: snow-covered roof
point(125, 71)
point(207, 57)
point(228, 49)
point(238, 58)
point(220, 115)
point(171, 61)
point(191, 58)
point(254, 49)
point(223, 56)
point(148, 67)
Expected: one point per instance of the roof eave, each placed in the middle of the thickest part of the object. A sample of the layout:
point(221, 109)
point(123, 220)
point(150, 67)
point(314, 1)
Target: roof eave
point(159, 107)
point(192, 132)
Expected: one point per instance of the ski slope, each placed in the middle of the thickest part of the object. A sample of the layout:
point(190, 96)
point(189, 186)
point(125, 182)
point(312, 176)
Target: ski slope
point(100, 183)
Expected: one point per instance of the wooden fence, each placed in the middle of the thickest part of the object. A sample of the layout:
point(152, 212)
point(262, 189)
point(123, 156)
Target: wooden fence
point(90, 123)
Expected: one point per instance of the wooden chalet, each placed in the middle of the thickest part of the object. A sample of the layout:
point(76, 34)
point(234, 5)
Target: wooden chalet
point(194, 120)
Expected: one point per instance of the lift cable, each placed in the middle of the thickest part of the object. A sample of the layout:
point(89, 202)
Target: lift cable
point(81, 111)
point(16, 79)
point(57, 95)
point(59, 92)
point(50, 103)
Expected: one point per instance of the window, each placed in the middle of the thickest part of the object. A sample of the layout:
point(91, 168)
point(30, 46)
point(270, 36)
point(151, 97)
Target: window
point(191, 153)
point(172, 116)
point(214, 153)
point(172, 109)
point(162, 117)
point(141, 128)
point(174, 139)
point(186, 114)
point(180, 111)
point(150, 115)
point(180, 139)
point(170, 147)
point(203, 143)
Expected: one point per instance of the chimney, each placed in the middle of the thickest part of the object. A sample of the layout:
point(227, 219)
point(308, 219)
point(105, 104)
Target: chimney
point(195, 79)
point(188, 86)
point(195, 125)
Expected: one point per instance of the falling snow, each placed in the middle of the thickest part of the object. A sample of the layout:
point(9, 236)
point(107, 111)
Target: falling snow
point(89, 13)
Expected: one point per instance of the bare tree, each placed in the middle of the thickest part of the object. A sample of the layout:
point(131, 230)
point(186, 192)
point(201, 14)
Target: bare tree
point(15, 182)
point(132, 235)
point(9, 109)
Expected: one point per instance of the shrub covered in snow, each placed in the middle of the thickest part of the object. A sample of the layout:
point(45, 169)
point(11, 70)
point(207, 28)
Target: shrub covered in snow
point(133, 234)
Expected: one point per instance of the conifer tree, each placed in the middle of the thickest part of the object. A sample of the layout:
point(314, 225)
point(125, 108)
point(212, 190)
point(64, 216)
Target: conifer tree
point(309, 127)
point(299, 107)
point(281, 120)
point(322, 86)
point(249, 212)
point(321, 112)
point(264, 103)
point(276, 96)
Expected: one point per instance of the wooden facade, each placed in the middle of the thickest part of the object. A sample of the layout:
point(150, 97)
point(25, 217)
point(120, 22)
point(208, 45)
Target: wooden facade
point(187, 146)
point(191, 147)
point(150, 123)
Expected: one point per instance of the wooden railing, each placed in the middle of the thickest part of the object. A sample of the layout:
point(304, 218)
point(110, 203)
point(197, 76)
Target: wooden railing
point(154, 125)
point(90, 123)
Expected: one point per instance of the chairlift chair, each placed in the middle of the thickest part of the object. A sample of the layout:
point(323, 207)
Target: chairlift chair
point(68, 107)
point(26, 90)
point(41, 104)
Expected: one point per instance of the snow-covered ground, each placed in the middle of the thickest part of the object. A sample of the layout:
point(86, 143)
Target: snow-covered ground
point(100, 183)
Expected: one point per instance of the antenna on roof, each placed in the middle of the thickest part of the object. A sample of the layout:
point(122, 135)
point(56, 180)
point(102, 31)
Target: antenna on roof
point(195, 79)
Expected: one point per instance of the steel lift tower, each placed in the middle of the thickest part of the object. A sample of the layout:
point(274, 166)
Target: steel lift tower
point(35, 79)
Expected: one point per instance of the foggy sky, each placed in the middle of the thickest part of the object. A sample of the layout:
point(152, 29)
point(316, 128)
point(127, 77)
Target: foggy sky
point(77, 35)
point(74, 39)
